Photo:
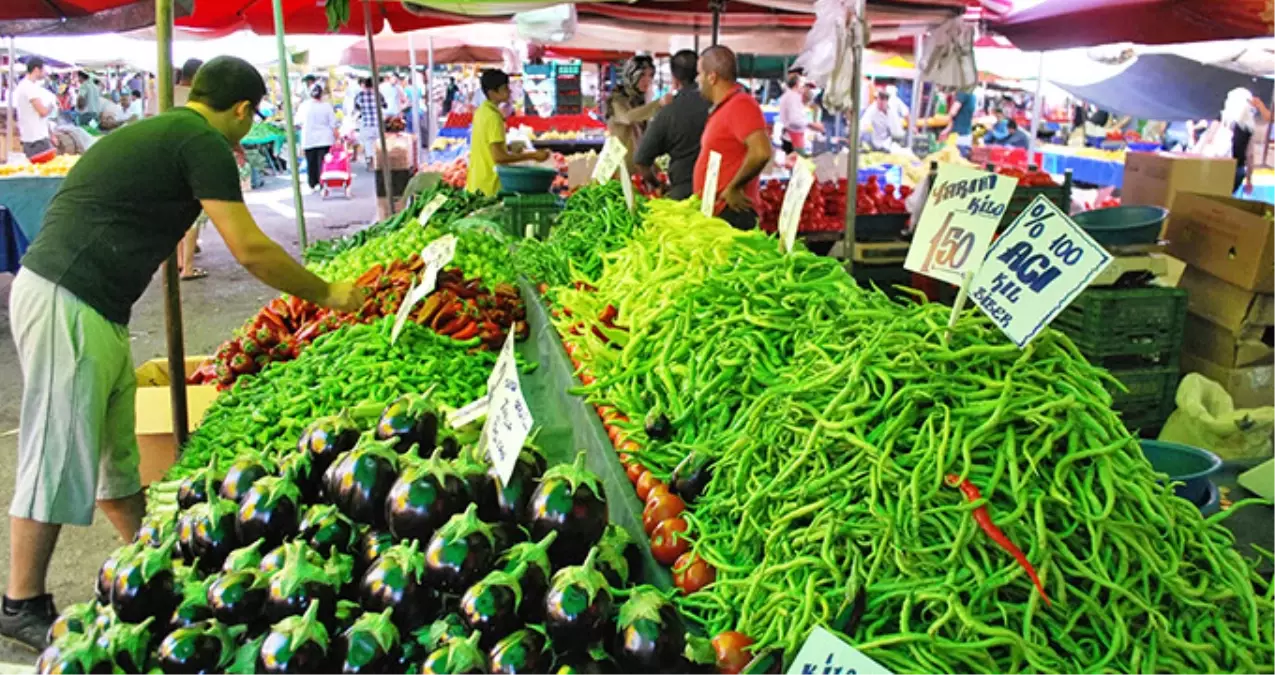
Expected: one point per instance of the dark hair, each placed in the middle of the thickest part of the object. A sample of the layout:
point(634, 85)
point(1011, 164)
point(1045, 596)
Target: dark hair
point(684, 64)
point(189, 68)
point(1012, 125)
point(225, 81)
point(84, 75)
point(309, 78)
point(493, 79)
point(793, 80)
point(135, 93)
point(316, 91)
point(365, 81)
point(34, 63)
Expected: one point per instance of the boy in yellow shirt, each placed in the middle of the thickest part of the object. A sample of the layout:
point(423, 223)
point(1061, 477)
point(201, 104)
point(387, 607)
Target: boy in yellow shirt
point(487, 139)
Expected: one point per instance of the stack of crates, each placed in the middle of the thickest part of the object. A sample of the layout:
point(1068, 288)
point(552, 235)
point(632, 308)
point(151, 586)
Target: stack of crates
point(530, 215)
point(1136, 334)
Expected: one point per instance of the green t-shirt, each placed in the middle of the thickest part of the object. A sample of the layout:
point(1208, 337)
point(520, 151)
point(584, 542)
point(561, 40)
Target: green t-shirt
point(125, 205)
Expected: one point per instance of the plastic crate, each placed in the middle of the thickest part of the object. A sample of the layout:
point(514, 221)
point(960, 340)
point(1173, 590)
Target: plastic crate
point(1060, 195)
point(880, 226)
point(537, 211)
point(568, 69)
point(1150, 397)
point(1116, 322)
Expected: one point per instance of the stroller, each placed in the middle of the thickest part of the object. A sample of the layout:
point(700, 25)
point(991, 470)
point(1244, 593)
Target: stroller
point(336, 173)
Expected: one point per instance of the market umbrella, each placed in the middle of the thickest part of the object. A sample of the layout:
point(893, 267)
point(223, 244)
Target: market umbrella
point(1058, 24)
point(393, 50)
point(79, 17)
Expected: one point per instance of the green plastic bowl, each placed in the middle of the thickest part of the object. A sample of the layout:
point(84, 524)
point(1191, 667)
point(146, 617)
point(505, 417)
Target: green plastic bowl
point(1123, 225)
point(1192, 466)
point(525, 179)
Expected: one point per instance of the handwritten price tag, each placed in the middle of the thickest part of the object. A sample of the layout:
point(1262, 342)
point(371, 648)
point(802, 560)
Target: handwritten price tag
point(468, 413)
point(710, 184)
point(509, 419)
point(436, 255)
point(626, 183)
point(433, 206)
point(825, 654)
point(1035, 269)
point(959, 220)
point(414, 296)
point(609, 160)
point(803, 176)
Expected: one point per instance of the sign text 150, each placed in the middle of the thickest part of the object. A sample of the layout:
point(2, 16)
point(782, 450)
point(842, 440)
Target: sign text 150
point(950, 247)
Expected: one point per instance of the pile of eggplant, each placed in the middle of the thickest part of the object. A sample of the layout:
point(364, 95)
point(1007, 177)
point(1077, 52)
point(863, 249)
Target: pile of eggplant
point(362, 552)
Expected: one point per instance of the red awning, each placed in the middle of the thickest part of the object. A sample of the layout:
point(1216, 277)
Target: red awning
point(1060, 24)
point(13, 10)
point(307, 17)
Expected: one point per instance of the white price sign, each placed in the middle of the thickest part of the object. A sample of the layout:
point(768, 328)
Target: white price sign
point(468, 413)
point(414, 296)
point(1035, 269)
point(609, 160)
point(710, 184)
point(626, 183)
point(509, 419)
point(958, 222)
point(436, 255)
point(825, 654)
point(803, 177)
point(434, 205)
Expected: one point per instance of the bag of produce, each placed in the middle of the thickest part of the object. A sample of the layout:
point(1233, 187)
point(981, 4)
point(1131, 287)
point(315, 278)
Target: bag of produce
point(1206, 418)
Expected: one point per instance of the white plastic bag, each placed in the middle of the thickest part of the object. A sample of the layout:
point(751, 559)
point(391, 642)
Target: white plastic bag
point(1206, 418)
point(949, 55)
point(550, 24)
point(828, 54)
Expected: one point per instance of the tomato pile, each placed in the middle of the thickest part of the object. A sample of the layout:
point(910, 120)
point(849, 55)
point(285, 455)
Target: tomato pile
point(825, 207)
point(1029, 177)
point(454, 172)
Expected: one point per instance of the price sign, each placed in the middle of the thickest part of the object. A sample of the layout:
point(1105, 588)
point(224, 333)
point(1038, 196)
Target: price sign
point(1035, 269)
point(468, 413)
point(626, 183)
point(803, 176)
point(436, 255)
point(434, 205)
point(414, 296)
point(609, 160)
point(509, 419)
point(958, 222)
point(710, 184)
point(825, 654)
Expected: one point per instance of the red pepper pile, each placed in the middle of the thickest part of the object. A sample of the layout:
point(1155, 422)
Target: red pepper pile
point(871, 198)
point(1028, 177)
point(460, 308)
point(825, 207)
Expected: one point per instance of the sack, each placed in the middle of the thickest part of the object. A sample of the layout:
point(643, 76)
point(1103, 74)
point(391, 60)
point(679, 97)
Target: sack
point(1206, 418)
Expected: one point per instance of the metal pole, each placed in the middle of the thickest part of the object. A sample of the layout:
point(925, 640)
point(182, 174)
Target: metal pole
point(8, 99)
point(429, 87)
point(717, 6)
point(380, 114)
point(852, 139)
point(1037, 104)
point(291, 125)
point(416, 100)
point(917, 88)
point(172, 281)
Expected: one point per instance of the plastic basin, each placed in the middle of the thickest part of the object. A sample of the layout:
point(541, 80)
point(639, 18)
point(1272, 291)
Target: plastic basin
point(1189, 465)
point(1123, 225)
point(525, 179)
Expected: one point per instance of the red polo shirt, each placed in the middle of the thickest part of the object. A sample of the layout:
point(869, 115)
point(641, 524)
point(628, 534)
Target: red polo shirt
point(729, 123)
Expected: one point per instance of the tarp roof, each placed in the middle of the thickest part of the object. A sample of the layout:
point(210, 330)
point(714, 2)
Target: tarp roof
point(482, 46)
point(1059, 24)
point(1169, 87)
point(79, 17)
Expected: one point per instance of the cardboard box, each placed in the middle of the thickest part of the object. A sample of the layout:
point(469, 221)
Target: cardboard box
point(403, 148)
point(1249, 386)
point(1229, 238)
point(1227, 305)
point(155, 440)
point(1207, 340)
point(1155, 178)
point(580, 169)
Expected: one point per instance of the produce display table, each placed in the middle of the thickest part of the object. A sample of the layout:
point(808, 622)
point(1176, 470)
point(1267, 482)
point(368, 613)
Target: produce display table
point(1083, 169)
point(26, 198)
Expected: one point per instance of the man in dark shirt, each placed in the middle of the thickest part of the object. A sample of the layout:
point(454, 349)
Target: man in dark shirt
point(120, 212)
point(676, 130)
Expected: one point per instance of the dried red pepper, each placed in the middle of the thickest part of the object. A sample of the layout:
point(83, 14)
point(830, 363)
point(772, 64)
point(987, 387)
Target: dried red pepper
point(984, 520)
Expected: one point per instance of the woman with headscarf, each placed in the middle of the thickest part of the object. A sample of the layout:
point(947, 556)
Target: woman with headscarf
point(626, 110)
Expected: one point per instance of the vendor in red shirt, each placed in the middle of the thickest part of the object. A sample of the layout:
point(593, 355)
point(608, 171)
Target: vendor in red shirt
point(736, 130)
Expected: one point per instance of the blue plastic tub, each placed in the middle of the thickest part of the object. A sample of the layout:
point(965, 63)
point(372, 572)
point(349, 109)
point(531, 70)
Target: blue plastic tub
point(1144, 147)
point(1123, 225)
point(1190, 467)
point(527, 180)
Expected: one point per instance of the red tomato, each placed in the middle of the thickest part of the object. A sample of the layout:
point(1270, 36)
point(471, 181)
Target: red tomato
point(666, 547)
point(658, 490)
point(634, 471)
point(732, 650)
point(691, 573)
point(586, 378)
point(604, 411)
point(613, 433)
point(629, 446)
point(660, 508)
point(645, 482)
point(626, 459)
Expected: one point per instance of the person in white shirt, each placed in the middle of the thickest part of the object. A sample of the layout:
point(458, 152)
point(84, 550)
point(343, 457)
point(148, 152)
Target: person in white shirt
point(395, 97)
point(876, 122)
point(318, 133)
point(89, 100)
point(898, 113)
point(131, 101)
point(794, 117)
point(35, 105)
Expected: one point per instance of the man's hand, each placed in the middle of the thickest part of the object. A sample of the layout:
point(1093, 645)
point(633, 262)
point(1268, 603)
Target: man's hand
point(344, 296)
point(736, 200)
point(541, 155)
point(666, 99)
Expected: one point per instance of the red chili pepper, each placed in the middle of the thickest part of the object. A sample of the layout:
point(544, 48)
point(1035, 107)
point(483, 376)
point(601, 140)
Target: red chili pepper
point(271, 318)
point(465, 333)
point(984, 521)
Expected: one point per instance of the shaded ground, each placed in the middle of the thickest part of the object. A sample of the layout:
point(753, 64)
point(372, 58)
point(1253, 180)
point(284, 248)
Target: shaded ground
point(212, 308)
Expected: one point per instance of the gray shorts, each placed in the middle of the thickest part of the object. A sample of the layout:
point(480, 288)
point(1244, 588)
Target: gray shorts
point(76, 440)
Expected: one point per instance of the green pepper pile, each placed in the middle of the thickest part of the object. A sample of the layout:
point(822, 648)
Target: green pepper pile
point(595, 221)
point(875, 474)
point(354, 364)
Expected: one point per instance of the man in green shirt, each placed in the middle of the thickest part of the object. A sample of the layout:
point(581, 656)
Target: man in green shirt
point(118, 215)
point(487, 141)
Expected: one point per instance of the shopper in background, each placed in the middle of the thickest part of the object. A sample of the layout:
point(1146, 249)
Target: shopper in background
point(318, 133)
point(190, 243)
point(487, 138)
point(626, 109)
point(450, 96)
point(89, 99)
point(1260, 152)
point(875, 124)
point(899, 114)
point(365, 105)
point(34, 105)
point(1016, 138)
point(676, 130)
point(962, 119)
point(131, 101)
point(395, 98)
point(794, 115)
point(117, 215)
point(736, 130)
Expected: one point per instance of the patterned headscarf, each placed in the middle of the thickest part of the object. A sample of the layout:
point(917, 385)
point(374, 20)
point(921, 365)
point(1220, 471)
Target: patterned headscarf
point(630, 76)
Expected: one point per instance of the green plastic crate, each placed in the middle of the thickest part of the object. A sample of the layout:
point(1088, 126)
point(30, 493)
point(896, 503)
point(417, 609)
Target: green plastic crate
point(530, 215)
point(1023, 197)
point(1115, 322)
point(1150, 398)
